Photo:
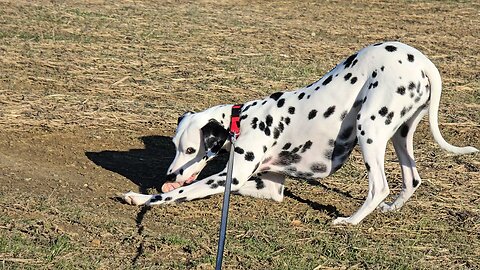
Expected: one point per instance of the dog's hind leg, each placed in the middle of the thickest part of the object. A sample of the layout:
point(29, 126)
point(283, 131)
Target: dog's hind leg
point(265, 185)
point(403, 144)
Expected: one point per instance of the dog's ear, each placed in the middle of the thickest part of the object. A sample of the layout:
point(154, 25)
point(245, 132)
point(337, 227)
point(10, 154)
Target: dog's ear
point(214, 136)
point(183, 116)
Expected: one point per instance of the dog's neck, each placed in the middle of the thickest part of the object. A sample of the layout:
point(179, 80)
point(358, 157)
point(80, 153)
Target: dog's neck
point(222, 114)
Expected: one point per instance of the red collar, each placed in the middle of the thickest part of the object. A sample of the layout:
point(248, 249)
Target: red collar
point(235, 121)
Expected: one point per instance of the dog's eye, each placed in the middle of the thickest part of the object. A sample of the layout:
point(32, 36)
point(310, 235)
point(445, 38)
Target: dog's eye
point(190, 150)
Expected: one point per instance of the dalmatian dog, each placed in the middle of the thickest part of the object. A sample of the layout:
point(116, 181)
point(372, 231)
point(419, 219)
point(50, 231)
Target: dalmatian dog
point(379, 93)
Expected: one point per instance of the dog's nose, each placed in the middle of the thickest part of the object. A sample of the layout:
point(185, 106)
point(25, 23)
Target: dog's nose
point(170, 177)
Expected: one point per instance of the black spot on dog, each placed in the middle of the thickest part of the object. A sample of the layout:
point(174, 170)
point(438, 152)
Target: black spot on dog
point(276, 96)
point(276, 133)
point(243, 117)
point(410, 57)
point(254, 122)
point(287, 120)
point(372, 117)
point(369, 141)
point(265, 101)
point(359, 127)
point(269, 120)
point(301, 96)
point(423, 74)
point(312, 114)
point(388, 121)
point(382, 68)
point(383, 111)
point(286, 146)
point(259, 183)
point(403, 112)
point(347, 76)
point(264, 149)
point(353, 80)
point(401, 90)
point(368, 166)
point(417, 99)
point(295, 150)
point(286, 158)
point(235, 181)
point(378, 44)
point(404, 130)
point(411, 86)
point(362, 133)
point(281, 127)
point(306, 146)
point(316, 88)
point(390, 48)
point(249, 156)
point(239, 150)
point(267, 131)
point(374, 74)
point(318, 167)
point(180, 191)
point(400, 61)
point(328, 80)
point(246, 108)
point(261, 126)
point(210, 181)
point(358, 116)
point(349, 60)
point(157, 198)
point(354, 62)
point(375, 84)
point(291, 110)
point(329, 111)
point(280, 103)
point(364, 99)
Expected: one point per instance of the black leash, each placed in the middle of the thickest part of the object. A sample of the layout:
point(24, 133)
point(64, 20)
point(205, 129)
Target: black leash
point(234, 133)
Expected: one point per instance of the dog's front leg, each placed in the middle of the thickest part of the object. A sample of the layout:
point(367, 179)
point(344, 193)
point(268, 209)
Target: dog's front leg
point(199, 189)
point(245, 163)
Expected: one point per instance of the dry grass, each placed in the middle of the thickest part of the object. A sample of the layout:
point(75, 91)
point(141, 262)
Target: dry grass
point(78, 79)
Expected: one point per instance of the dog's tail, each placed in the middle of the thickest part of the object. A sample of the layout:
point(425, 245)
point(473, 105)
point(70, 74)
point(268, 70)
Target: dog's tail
point(436, 91)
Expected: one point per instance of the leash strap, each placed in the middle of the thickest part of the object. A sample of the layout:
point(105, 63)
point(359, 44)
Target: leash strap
point(234, 133)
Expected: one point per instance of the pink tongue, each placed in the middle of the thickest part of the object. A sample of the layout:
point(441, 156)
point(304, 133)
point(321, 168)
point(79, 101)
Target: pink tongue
point(167, 187)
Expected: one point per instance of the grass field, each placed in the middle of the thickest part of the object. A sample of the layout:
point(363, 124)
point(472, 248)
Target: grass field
point(90, 92)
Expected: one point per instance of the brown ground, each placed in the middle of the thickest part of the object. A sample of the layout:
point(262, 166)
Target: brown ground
point(90, 94)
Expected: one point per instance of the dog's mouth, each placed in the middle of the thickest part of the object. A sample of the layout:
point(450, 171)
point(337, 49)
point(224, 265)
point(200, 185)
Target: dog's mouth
point(169, 186)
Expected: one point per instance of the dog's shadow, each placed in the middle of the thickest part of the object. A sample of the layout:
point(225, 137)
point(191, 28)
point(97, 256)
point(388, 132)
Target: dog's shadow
point(147, 167)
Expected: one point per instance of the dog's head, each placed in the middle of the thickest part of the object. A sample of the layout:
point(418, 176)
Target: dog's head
point(197, 139)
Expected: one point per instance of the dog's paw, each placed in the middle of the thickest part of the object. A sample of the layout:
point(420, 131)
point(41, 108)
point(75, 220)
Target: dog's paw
point(387, 207)
point(341, 220)
point(133, 198)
